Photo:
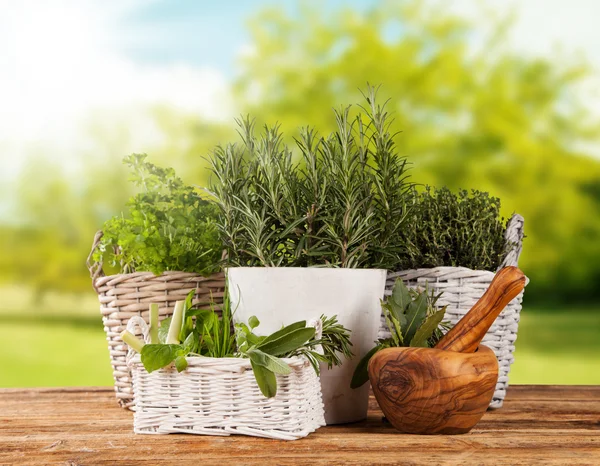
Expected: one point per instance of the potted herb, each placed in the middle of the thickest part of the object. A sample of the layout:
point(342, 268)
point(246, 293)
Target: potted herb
point(455, 242)
point(315, 236)
point(165, 245)
point(198, 375)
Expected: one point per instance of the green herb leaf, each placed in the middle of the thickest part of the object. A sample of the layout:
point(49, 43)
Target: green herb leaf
point(361, 373)
point(198, 312)
point(448, 228)
point(254, 340)
point(186, 328)
point(189, 300)
point(206, 320)
point(425, 331)
point(415, 315)
point(180, 363)
point(253, 322)
point(398, 329)
point(266, 380)
point(344, 205)
point(288, 342)
point(334, 341)
point(421, 325)
point(163, 330)
point(156, 357)
point(244, 334)
point(187, 321)
point(284, 331)
point(394, 325)
point(190, 344)
point(272, 363)
point(398, 312)
point(240, 335)
point(401, 295)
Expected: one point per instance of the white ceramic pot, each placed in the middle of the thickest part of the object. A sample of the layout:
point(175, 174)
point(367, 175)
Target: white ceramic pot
point(282, 295)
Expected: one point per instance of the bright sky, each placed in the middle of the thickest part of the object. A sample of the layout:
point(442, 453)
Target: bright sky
point(63, 61)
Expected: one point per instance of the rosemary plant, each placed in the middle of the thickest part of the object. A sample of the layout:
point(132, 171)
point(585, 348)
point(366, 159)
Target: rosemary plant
point(342, 205)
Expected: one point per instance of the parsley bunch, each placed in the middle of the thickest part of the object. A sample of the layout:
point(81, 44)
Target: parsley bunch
point(168, 226)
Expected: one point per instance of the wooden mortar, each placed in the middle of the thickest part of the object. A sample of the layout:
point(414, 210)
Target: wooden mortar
point(446, 389)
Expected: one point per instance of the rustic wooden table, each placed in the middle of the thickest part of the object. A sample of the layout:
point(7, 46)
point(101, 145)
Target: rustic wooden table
point(537, 425)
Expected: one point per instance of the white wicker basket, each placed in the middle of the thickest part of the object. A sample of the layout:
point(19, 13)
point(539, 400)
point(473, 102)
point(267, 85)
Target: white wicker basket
point(125, 295)
point(462, 288)
point(219, 396)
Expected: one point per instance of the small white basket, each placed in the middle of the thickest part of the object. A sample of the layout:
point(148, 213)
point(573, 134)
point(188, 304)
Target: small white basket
point(220, 396)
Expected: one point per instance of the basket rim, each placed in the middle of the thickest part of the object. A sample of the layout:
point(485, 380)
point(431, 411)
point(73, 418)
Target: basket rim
point(445, 273)
point(237, 362)
point(447, 268)
point(150, 275)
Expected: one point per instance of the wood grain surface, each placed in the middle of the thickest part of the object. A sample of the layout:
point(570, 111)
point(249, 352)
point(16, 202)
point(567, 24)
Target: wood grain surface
point(466, 335)
point(429, 391)
point(547, 425)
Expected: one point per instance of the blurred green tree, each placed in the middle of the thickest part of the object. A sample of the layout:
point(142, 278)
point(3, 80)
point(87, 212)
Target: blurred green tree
point(471, 116)
point(58, 213)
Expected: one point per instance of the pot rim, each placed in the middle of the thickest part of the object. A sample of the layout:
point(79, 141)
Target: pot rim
point(339, 269)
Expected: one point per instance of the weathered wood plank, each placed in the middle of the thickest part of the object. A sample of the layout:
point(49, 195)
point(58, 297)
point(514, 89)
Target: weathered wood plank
point(553, 425)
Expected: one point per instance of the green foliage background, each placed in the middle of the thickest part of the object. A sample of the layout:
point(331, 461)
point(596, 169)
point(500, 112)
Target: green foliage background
point(485, 118)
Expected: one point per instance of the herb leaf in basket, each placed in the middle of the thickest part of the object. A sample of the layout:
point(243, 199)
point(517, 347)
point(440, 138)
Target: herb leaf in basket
point(159, 355)
point(412, 319)
point(287, 343)
point(267, 353)
point(201, 333)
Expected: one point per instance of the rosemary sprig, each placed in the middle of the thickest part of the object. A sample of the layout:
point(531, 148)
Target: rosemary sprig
point(334, 342)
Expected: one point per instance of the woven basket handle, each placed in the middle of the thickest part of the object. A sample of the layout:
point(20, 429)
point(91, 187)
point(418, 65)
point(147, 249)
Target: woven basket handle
point(95, 267)
point(134, 323)
point(514, 241)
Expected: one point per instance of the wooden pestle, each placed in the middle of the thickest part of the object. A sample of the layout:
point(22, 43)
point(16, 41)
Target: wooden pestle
point(467, 334)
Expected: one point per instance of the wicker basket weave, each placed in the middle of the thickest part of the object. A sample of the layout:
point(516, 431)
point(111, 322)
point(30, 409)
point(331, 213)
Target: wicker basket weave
point(123, 296)
point(219, 396)
point(462, 288)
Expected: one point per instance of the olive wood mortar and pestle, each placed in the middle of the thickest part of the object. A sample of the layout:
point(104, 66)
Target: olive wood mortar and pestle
point(446, 389)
